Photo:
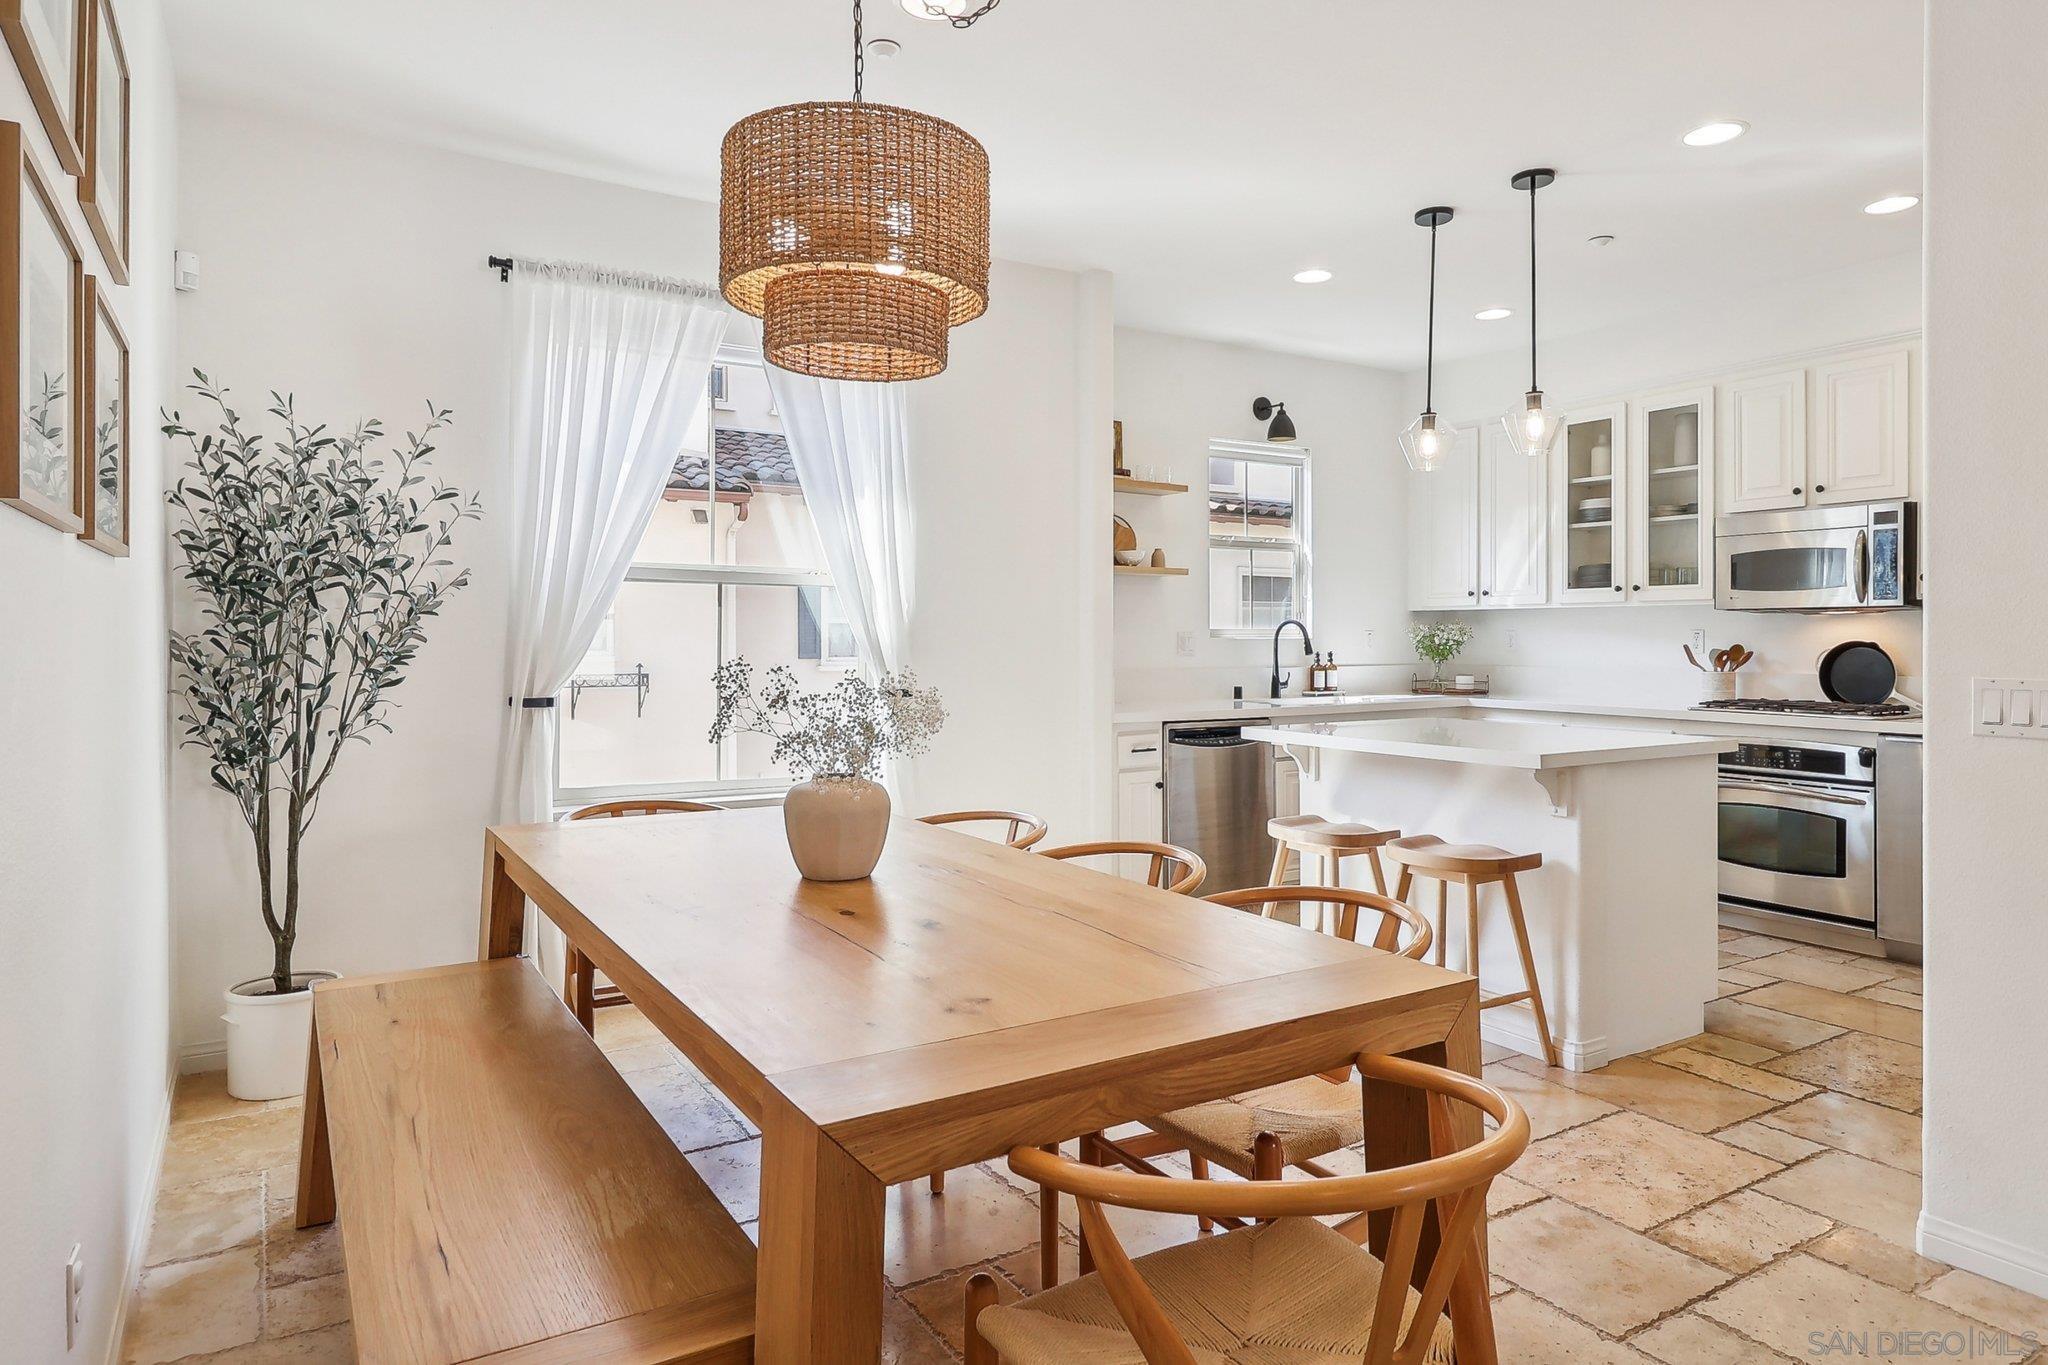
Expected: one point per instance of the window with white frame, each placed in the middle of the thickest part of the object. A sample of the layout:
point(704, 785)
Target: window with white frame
point(1258, 537)
point(729, 565)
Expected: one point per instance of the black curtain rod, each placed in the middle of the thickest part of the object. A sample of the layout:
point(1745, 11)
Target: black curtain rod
point(503, 265)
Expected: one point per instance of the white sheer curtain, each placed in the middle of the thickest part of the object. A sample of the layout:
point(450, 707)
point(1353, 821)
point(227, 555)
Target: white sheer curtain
point(851, 447)
point(607, 371)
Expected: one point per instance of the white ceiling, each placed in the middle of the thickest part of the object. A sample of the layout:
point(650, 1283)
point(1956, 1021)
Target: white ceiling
point(1204, 150)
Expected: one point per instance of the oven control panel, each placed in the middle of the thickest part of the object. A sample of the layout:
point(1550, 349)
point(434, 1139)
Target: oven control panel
point(1826, 762)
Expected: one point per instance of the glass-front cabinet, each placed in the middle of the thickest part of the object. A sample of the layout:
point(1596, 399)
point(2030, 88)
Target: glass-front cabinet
point(1670, 497)
point(1593, 488)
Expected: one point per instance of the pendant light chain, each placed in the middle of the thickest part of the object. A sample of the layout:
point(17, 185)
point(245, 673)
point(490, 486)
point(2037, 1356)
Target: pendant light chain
point(860, 54)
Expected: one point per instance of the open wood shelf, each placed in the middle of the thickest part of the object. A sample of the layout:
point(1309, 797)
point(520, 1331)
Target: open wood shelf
point(1148, 571)
point(1148, 488)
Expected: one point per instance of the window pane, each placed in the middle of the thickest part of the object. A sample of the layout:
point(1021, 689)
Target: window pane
point(1226, 497)
point(672, 630)
point(1269, 588)
point(681, 632)
point(1269, 500)
point(737, 501)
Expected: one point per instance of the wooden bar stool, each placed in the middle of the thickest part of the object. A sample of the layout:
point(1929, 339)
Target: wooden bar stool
point(1329, 842)
point(1476, 866)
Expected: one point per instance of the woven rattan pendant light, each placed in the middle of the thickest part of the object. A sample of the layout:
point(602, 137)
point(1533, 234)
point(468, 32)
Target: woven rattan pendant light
point(856, 232)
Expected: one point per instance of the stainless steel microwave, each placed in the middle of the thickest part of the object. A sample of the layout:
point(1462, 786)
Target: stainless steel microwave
point(1852, 558)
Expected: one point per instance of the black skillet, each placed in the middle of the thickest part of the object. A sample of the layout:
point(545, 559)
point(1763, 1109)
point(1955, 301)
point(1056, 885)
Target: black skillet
point(1858, 671)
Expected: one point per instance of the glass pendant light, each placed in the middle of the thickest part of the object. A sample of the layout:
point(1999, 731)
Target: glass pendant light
point(1532, 428)
point(1427, 441)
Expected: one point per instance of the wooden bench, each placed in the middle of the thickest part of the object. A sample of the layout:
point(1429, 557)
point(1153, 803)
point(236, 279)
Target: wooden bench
point(503, 1194)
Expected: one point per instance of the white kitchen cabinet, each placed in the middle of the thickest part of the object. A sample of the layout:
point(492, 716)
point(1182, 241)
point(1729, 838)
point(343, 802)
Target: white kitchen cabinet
point(1140, 814)
point(1514, 514)
point(1669, 508)
point(1861, 436)
point(1443, 529)
point(1762, 463)
point(1592, 483)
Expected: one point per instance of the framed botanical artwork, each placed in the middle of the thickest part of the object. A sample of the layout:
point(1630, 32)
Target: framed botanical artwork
point(49, 41)
point(103, 187)
point(105, 425)
point(42, 288)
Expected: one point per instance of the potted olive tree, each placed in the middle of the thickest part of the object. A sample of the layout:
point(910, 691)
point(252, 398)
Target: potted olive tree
point(316, 565)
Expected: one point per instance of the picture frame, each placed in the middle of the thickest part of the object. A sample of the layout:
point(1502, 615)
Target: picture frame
point(103, 186)
point(42, 285)
point(49, 41)
point(104, 370)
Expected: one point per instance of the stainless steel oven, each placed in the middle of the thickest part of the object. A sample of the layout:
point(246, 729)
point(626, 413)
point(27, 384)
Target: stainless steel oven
point(1798, 831)
point(1855, 558)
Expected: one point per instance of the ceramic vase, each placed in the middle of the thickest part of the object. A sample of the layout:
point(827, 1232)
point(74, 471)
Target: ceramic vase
point(836, 827)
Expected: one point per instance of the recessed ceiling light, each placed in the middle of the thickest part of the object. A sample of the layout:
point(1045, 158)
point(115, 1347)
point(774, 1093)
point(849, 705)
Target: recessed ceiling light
point(1715, 133)
point(933, 9)
point(1892, 203)
point(1494, 314)
point(1315, 276)
point(1601, 239)
point(883, 48)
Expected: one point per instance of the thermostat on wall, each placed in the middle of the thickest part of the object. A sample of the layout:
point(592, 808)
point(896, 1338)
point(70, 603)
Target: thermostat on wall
point(186, 270)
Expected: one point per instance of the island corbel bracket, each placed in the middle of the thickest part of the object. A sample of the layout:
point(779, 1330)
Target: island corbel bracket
point(1557, 785)
point(1308, 759)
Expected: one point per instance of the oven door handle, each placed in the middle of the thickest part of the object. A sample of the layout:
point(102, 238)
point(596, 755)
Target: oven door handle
point(1803, 793)
point(1863, 566)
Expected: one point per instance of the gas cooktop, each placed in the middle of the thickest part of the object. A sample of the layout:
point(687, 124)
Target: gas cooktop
point(1855, 710)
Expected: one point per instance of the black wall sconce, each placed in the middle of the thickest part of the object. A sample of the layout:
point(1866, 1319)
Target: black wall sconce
point(1282, 429)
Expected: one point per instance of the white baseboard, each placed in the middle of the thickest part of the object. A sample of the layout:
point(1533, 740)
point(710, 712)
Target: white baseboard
point(1994, 1258)
point(145, 1219)
point(1517, 1030)
point(209, 1055)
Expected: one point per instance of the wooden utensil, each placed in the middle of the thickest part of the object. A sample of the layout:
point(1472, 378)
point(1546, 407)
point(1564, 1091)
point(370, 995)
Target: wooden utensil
point(1719, 658)
point(1693, 659)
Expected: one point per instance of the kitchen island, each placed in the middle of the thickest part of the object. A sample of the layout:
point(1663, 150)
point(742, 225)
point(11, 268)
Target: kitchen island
point(1622, 914)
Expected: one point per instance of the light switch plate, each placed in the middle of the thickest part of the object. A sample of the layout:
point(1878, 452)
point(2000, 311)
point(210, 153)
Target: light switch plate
point(1184, 644)
point(2009, 708)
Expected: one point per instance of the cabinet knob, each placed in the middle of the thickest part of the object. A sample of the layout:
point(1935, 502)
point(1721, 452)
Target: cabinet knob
point(1820, 488)
point(1470, 593)
point(1488, 592)
point(1617, 587)
point(1635, 587)
point(1158, 786)
point(1797, 491)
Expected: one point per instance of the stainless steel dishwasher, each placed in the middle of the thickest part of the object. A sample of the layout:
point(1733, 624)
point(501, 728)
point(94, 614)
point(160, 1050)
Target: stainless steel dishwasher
point(1219, 796)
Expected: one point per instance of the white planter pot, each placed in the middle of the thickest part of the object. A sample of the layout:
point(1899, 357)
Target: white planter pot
point(268, 1037)
point(836, 827)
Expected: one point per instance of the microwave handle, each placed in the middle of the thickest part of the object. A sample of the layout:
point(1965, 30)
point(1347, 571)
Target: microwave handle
point(1863, 566)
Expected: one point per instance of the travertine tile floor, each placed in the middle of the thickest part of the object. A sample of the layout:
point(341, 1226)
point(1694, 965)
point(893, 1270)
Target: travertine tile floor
point(1718, 1202)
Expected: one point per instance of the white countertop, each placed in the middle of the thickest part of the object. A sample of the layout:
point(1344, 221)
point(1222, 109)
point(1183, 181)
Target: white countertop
point(1534, 745)
point(1290, 708)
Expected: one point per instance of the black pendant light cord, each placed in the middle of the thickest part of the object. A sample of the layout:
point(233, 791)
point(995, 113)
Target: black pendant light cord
point(1429, 362)
point(1532, 285)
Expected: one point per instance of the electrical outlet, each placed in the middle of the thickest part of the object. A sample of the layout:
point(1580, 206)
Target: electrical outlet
point(1368, 641)
point(1511, 639)
point(1699, 643)
point(74, 1296)
point(1184, 643)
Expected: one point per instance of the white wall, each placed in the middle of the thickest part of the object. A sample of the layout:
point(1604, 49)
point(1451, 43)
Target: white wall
point(351, 270)
point(1986, 1192)
point(1632, 652)
point(85, 1011)
point(1174, 395)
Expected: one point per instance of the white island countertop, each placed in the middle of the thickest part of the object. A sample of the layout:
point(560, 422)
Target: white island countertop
point(1532, 745)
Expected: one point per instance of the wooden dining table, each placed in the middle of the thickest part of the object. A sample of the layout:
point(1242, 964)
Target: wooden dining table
point(965, 999)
